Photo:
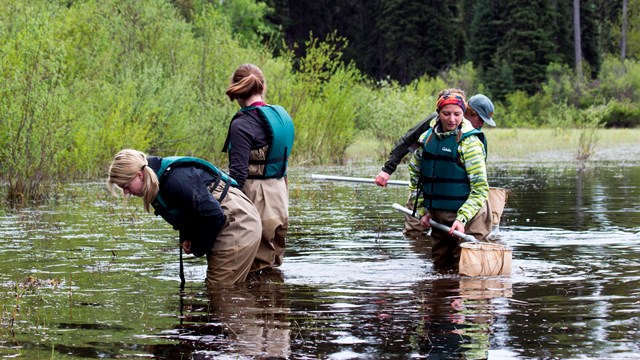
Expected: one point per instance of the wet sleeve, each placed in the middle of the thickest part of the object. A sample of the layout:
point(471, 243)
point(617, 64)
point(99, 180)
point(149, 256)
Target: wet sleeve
point(241, 136)
point(473, 157)
point(407, 143)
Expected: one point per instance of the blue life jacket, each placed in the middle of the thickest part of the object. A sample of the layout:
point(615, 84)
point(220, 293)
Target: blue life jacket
point(443, 180)
point(280, 132)
point(170, 162)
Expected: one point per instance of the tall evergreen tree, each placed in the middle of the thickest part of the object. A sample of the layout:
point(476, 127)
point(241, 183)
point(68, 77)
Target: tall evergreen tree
point(591, 35)
point(562, 12)
point(357, 20)
point(526, 48)
point(302, 18)
point(420, 37)
point(609, 12)
point(485, 35)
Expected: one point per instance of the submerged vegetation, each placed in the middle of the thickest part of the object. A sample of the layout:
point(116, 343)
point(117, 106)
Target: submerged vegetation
point(80, 80)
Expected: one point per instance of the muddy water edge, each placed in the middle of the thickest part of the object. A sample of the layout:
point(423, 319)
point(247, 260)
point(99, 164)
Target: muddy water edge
point(89, 276)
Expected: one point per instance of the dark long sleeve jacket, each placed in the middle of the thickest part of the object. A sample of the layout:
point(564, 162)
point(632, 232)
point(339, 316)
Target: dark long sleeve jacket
point(194, 212)
point(246, 133)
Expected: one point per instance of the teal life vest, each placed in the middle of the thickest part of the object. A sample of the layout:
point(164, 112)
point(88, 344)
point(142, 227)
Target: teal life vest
point(280, 134)
point(443, 179)
point(170, 162)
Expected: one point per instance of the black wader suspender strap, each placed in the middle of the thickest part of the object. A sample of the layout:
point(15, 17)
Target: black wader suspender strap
point(224, 191)
point(415, 204)
point(214, 186)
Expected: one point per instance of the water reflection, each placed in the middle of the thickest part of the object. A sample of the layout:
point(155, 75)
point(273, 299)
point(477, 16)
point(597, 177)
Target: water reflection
point(248, 321)
point(457, 316)
point(572, 197)
point(90, 277)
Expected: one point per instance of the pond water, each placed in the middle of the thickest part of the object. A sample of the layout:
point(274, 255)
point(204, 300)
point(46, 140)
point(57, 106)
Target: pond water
point(89, 276)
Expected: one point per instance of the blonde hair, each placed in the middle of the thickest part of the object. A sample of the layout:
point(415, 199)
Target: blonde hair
point(123, 170)
point(246, 81)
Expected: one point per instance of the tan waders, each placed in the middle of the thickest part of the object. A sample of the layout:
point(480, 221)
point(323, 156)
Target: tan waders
point(271, 198)
point(230, 259)
point(412, 226)
point(497, 201)
point(445, 248)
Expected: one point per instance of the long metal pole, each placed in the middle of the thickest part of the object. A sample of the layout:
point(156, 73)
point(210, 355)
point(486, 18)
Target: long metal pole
point(436, 224)
point(355, 179)
point(181, 270)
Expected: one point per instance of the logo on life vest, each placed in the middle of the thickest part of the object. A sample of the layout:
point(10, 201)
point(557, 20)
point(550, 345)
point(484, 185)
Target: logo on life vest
point(446, 149)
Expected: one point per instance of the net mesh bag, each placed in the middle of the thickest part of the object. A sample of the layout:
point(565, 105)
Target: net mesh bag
point(484, 259)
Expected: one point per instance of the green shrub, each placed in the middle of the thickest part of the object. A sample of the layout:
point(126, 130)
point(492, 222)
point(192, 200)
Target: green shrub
point(561, 116)
point(391, 110)
point(561, 84)
point(590, 122)
point(463, 77)
point(525, 110)
point(619, 80)
point(624, 114)
point(35, 121)
point(325, 100)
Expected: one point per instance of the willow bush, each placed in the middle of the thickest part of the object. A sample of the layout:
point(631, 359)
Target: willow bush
point(389, 111)
point(323, 98)
point(591, 120)
point(217, 54)
point(35, 121)
point(81, 82)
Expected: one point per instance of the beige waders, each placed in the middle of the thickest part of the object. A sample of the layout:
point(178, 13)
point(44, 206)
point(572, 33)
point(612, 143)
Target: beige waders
point(230, 259)
point(412, 225)
point(271, 198)
point(445, 248)
point(495, 206)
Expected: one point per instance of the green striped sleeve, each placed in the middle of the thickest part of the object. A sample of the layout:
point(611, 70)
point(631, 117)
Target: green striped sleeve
point(473, 158)
point(414, 177)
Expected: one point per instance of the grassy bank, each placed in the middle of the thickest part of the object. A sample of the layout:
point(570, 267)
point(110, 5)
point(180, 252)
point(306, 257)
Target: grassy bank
point(537, 145)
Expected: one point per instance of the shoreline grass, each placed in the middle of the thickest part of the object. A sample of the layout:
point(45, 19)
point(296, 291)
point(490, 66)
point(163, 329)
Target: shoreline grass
point(538, 145)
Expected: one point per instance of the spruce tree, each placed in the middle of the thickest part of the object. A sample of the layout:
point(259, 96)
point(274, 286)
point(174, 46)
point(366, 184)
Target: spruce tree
point(484, 36)
point(527, 46)
point(591, 35)
point(562, 13)
point(419, 37)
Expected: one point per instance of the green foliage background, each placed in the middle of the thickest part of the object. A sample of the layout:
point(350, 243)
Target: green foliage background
point(80, 80)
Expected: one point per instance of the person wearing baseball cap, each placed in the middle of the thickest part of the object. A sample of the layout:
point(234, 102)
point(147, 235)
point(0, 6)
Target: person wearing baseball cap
point(480, 111)
point(448, 174)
